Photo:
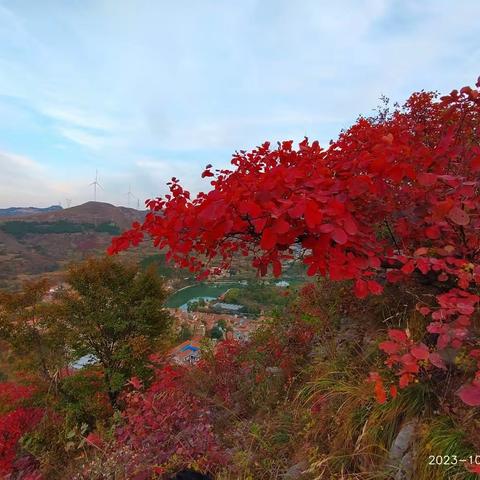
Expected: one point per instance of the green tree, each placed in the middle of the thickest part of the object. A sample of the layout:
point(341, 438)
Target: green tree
point(218, 330)
point(29, 324)
point(185, 333)
point(114, 312)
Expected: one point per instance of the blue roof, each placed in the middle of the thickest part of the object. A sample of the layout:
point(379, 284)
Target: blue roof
point(189, 347)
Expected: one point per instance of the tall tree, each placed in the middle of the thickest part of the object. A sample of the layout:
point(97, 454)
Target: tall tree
point(114, 312)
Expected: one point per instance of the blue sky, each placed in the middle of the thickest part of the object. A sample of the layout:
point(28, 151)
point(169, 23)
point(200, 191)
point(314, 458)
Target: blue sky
point(145, 90)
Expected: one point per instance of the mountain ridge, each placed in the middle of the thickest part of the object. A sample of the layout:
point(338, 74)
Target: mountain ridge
point(87, 212)
point(23, 211)
point(45, 242)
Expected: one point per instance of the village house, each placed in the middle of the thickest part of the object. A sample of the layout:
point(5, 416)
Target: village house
point(187, 353)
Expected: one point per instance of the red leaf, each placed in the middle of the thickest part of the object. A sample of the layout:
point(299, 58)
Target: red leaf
point(297, 211)
point(135, 382)
point(420, 351)
point(361, 289)
point(473, 467)
point(405, 379)
point(326, 228)
point(94, 439)
point(393, 391)
point(269, 239)
point(427, 179)
point(312, 269)
point(350, 226)
point(277, 268)
point(475, 164)
point(437, 360)
point(459, 216)
point(313, 214)
point(395, 276)
point(398, 335)
point(432, 232)
point(388, 138)
point(409, 267)
point(251, 208)
point(380, 393)
point(424, 311)
point(374, 287)
point(423, 265)
point(339, 236)
point(390, 347)
point(470, 394)
point(396, 173)
point(259, 224)
point(281, 226)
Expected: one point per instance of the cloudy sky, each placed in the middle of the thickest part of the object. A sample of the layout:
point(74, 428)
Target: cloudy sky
point(144, 90)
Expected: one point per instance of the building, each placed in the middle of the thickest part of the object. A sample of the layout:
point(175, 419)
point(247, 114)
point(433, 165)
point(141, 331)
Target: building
point(187, 353)
point(227, 307)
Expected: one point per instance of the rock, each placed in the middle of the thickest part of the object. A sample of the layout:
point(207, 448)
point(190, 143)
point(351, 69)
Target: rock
point(400, 457)
point(295, 472)
point(274, 370)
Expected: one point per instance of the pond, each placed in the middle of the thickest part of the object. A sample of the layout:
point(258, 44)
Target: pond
point(211, 291)
point(207, 291)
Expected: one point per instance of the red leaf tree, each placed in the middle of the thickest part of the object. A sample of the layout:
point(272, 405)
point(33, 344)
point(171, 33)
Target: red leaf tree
point(163, 422)
point(15, 421)
point(393, 195)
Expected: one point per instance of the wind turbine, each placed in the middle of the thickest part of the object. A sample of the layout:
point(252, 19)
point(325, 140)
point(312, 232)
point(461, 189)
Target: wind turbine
point(129, 194)
point(95, 185)
point(69, 202)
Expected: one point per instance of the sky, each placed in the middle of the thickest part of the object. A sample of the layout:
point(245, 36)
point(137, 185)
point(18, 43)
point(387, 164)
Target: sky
point(145, 90)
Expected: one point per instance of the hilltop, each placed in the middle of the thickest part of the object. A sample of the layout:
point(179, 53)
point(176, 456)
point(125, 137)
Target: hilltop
point(43, 242)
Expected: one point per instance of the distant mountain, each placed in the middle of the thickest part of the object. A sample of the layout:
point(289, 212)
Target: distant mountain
point(22, 211)
point(41, 242)
point(90, 212)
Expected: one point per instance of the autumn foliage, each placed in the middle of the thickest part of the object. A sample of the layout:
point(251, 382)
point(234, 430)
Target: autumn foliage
point(395, 197)
point(16, 420)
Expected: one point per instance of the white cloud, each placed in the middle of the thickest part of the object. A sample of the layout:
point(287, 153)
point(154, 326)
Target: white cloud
point(26, 181)
point(83, 138)
point(79, 118)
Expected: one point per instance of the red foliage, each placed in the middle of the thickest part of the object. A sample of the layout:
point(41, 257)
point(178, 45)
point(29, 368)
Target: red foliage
point(13, 426)
point(472, 467)
point(403, 353)
point(15, 423)
point(94, 439)
point(163, 421)
point(225, 370)
point(399, 194)
point(12, 394)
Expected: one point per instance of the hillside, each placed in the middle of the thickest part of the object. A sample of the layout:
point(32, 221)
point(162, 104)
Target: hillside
point(44, 242)
point(23, 211)
point(89, 212)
